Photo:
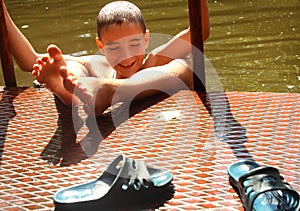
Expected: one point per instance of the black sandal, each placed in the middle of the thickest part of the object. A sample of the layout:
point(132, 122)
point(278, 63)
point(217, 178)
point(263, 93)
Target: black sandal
point(125, 181)
point(262, 188)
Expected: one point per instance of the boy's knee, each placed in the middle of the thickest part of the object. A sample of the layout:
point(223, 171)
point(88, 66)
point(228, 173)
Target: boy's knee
point(77, 69)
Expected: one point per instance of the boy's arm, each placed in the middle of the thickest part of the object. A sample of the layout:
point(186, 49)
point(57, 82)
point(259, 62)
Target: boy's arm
point(22, 50)
point(168, 78)
point(179, 46)
point(20, 47)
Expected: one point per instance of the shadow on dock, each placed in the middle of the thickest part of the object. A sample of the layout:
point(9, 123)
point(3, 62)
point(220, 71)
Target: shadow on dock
point(66, 147)
point(7, 112)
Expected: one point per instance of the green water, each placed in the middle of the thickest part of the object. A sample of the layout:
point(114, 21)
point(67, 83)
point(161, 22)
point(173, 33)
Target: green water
point(253, 45)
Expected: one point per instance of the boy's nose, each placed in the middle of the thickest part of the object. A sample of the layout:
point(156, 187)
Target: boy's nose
point(126, 54)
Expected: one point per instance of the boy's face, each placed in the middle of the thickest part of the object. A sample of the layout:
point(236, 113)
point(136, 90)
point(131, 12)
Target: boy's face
point(124, 47)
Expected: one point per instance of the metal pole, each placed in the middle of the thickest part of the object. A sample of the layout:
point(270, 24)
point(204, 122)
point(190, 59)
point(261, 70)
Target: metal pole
point(5, 54)
point(195, 18)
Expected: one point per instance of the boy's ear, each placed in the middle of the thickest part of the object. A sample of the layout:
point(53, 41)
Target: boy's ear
point(146, 38)
point(99, 44)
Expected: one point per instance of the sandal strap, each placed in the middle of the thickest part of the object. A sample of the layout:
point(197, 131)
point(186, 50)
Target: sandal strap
point(136, 175)
point(257, 179)
point(132, 174)
point(114, 169)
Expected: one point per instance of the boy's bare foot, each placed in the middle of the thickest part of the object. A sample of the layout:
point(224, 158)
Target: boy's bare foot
point(47, 72)
point(46, 69)
point(93, 92)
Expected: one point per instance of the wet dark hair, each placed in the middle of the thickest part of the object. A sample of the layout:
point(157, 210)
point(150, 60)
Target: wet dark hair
point(119, 12)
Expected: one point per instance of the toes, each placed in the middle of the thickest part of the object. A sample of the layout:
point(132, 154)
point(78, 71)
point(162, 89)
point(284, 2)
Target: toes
point(35, 73)
point(36, 66)
point(36, 70)
point(54, 52)
point(42, 61)
point(73, 80)
point(45, 59)
point(70, 82)
point(39, 61)
point(63, 71)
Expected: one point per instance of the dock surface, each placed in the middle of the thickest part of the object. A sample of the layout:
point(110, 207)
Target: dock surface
point(43, 150)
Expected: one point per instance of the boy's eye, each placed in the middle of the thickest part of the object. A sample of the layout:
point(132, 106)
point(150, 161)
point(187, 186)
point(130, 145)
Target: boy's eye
point(113, 48)
point(135, 44)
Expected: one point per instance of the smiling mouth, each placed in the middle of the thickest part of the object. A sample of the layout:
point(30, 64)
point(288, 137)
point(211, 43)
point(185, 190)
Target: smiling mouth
point(127, 65)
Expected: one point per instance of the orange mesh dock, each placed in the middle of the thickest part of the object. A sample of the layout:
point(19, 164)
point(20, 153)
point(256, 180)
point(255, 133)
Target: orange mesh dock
point(41, 152)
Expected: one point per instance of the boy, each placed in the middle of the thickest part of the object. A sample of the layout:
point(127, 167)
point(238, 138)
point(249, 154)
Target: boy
point(123, 39)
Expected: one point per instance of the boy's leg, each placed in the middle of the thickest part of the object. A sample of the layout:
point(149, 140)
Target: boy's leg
point(95, 93)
